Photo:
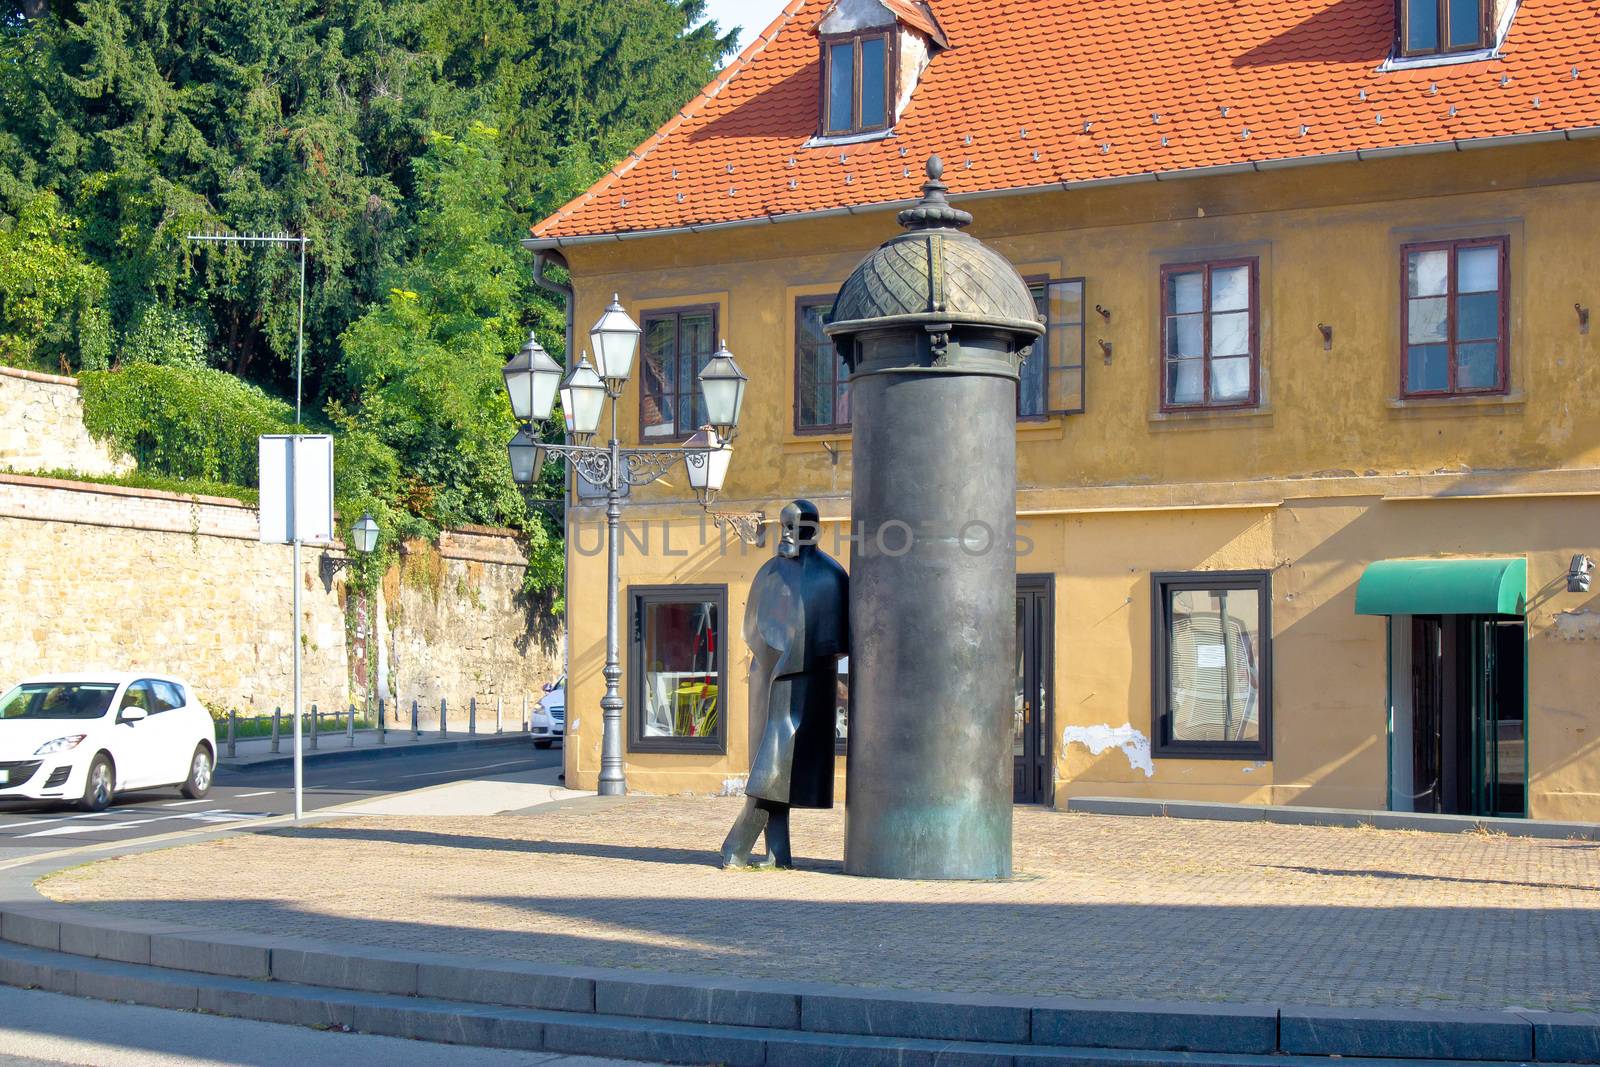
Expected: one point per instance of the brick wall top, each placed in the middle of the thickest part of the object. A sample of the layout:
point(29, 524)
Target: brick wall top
point(36, 376)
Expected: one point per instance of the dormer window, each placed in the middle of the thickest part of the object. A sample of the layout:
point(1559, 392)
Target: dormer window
point(873, 52)
point(858, 83)
point(1441, 27)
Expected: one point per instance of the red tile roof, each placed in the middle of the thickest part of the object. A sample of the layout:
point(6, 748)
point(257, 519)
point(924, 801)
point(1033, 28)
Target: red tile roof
point(1046, 92)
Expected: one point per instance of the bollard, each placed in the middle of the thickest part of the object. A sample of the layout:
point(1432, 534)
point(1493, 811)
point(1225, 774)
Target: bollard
point(233, 717)
point(441, 716)
point(383, 723)
point(313, 742)
point(496, 714)
point(277, 717)
point(472, 715)
point(350, 729)
point(416, 727)
point(525, 725)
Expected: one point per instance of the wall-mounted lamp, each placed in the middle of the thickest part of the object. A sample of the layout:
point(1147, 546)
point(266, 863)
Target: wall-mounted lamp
point(1578, 574)
point(1327, 336)
point(1105, 312)
point(1105, 349)
point(1583, 318)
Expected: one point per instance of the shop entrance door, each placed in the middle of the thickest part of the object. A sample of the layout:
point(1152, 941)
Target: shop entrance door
point(1031, 717)
point(1469, 715)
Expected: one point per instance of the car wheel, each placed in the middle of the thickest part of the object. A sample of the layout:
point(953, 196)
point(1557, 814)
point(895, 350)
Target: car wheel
point(543, 744)
point(98, 787)
point(199, 783)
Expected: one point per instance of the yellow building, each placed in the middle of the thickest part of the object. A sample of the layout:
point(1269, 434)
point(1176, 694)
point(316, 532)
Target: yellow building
point(1309, 449)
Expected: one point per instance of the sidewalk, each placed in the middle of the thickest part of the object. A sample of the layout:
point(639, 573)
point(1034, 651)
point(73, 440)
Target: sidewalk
point(257, 751)
point(1146, 909)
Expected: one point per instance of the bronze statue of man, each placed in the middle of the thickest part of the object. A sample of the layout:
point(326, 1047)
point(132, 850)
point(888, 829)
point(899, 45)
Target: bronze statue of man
point(797, 625)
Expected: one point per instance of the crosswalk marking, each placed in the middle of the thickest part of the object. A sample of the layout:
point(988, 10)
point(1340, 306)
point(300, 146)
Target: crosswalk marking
point(184, 803)
point(59, 818)
point(247, 796)
point(216, 815)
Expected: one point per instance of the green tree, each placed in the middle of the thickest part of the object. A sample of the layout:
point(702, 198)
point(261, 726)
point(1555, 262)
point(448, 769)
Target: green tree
point(51, 312)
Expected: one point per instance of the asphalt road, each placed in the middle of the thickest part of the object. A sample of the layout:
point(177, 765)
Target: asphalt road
point(240, 795)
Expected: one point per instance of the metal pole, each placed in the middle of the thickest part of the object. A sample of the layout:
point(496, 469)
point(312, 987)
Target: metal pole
point(416, 726)
point(383, 724)
point(300, 335)
point(612, 781)
point(525, 726)
point(299, 753)
point(233, 717)
point(315, 715)
point(442, 714)
point(496, 714)
point(472, 715)
point(350, 729)
point(277, 716)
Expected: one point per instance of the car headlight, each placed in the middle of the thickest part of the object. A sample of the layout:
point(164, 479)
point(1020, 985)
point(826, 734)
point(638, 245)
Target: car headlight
point(60, 744)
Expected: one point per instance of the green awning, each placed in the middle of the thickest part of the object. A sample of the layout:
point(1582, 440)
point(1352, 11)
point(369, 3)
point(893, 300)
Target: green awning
point(1443, 587)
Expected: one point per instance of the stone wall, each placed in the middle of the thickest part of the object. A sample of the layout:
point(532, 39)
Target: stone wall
point(41, 427)
point(96, 577)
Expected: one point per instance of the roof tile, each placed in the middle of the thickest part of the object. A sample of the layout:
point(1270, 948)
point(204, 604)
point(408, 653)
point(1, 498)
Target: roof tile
point(1085, 78)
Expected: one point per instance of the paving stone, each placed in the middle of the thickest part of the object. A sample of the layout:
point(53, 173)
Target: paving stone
point(1103, 908)
point(495, 982)
point(673, 1042)
point(212, 954)
point(276, 1006)
point(836, 1050)
point(1400, 1033)
point(25, 928)
point(947, 1017)
point(135, 989)
point(334, 968)
point(697, 1000)
point(1178, 1028)
point(1565, 1038)
point(105, 942)
point(454, 1027)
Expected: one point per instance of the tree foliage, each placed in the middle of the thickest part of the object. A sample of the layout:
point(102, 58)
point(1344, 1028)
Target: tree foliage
point(412, 141)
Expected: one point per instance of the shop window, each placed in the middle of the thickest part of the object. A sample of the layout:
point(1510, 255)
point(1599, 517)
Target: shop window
point(677, 343)
point(857, 83)
point(1212, 677)
point(1210, 335)
point(1051, 382)
point(821, 379)
point(677, 669)
point(1453, 323)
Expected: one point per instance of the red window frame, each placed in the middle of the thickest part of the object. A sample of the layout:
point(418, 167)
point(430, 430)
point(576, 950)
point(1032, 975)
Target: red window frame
point(1208, 267)
point(891, 60)
point(1483, 40)
point(1503, 366)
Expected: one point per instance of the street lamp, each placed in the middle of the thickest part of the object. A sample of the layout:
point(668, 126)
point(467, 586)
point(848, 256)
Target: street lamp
point(706, 455)
point(531, 379)
point(364, 534)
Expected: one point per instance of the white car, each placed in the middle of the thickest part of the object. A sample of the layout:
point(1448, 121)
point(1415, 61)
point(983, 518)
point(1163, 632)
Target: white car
point(548, 720)
point(88, 737)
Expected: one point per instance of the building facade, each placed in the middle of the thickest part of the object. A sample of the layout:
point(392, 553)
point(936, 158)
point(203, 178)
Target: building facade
point(1308, 459)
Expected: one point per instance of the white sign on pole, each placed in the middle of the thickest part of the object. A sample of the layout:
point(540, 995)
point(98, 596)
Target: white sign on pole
point(296, 488)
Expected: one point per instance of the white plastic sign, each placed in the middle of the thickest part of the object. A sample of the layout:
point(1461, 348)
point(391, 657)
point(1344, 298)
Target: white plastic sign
point(296, 488)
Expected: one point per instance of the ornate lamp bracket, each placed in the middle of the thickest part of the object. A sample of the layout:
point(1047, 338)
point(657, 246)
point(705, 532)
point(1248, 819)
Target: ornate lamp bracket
point(750, 526)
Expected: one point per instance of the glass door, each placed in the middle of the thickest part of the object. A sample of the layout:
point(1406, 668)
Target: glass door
point(1031, 707)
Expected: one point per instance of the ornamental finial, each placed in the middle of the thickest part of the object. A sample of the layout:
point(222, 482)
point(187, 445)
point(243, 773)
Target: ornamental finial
point(934, 211)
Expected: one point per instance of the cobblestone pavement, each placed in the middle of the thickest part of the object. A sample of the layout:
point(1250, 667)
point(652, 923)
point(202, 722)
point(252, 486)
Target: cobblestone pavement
point(1102, 906)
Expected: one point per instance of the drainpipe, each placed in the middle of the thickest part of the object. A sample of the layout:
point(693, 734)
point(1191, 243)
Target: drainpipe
point(542, 259)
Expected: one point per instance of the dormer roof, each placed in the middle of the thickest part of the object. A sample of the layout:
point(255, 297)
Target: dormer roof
point(918, 16)
point(1037, 94)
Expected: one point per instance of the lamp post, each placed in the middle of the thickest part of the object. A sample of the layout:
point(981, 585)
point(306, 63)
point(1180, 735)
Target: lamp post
point(532, 380)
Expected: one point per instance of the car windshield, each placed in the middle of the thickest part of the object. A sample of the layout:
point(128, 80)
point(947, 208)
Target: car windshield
point(57, 700)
